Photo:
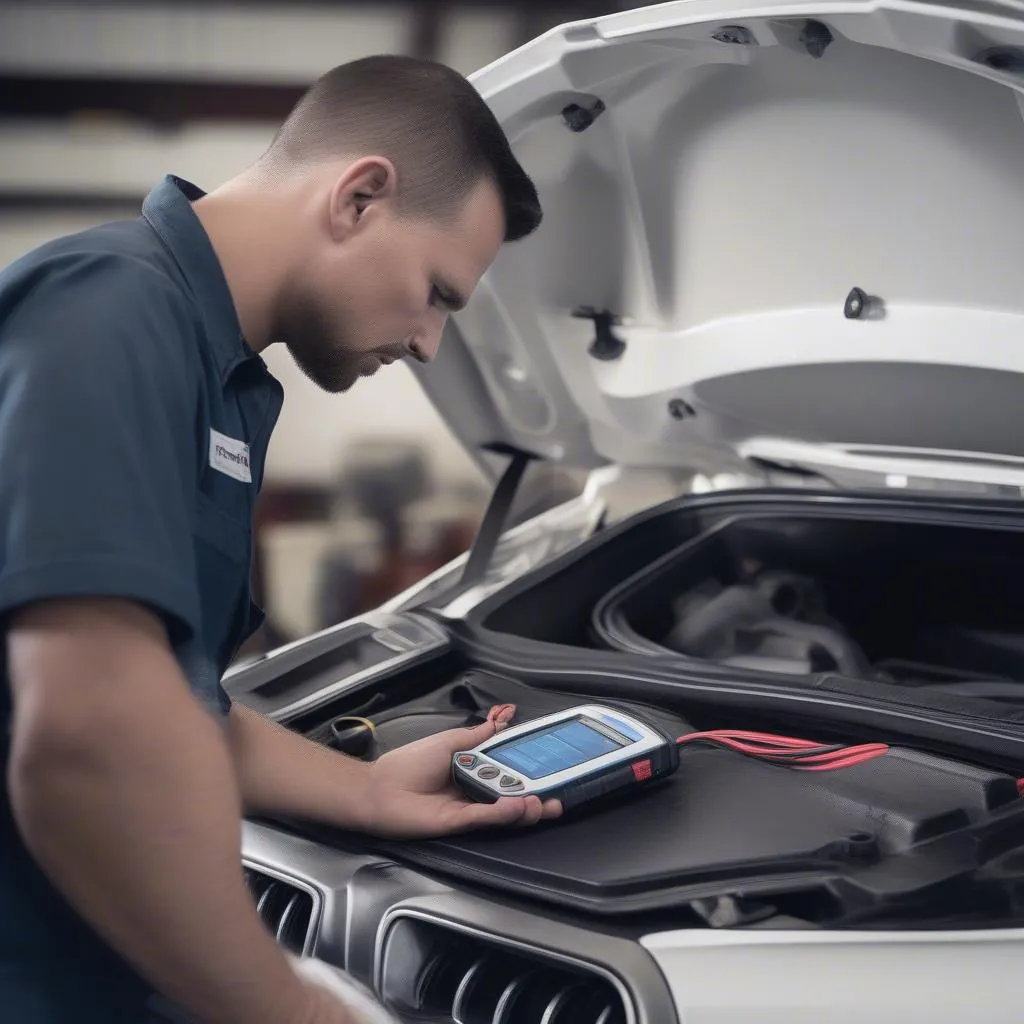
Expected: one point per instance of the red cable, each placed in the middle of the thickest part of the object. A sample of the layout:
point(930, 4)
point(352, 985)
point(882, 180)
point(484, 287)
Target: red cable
point(757, 751)
point(761, 737)
point(789, 752)
point(798, 754)
point(847, 762)
point(865, 752)
point(780, 754)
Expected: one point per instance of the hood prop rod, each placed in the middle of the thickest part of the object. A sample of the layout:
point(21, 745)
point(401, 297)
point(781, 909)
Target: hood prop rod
point(496, 516)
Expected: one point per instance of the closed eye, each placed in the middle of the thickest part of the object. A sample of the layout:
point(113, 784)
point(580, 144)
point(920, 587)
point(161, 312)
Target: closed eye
point(448, 298)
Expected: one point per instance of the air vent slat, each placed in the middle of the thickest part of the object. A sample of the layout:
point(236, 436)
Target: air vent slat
point(481, 990)
point(438, 983)
point(290, 916)
point(528, 996)
point(560, 1006)
point(590, 1007)
point(264, 902)
point(285, 908)
point(433, 971)
point(506, 1004)
point(459, 1009)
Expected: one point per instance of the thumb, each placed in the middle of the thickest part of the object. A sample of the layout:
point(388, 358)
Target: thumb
point(497, 719)
point(471, 736)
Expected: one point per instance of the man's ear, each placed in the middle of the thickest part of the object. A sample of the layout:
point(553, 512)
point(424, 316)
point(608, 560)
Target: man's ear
point(368, 181)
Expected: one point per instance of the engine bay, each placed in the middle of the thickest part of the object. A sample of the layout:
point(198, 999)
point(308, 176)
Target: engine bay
point(871, 840)
point(892, 602)
point(832, 621)
point(911, 599)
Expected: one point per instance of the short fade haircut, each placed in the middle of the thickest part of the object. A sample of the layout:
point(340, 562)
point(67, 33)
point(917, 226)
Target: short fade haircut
point(423, 116)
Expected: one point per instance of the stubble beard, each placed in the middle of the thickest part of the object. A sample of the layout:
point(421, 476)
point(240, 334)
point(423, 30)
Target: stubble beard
point(331, 371)
point(330, 365)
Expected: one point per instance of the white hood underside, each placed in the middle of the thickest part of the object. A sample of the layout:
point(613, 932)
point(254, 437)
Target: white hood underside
point(723, 206)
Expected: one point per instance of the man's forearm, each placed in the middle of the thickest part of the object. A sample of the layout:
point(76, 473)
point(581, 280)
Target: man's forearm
point(282, 773)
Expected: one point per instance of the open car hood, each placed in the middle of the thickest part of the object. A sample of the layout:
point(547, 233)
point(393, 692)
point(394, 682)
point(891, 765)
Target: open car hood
point(782, 234)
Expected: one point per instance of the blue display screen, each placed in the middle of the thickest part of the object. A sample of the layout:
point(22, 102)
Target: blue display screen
point(555, 748)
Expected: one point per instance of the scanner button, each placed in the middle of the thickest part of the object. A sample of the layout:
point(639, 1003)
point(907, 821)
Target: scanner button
point(489, 772)
point(507, 782)
point(466, 760)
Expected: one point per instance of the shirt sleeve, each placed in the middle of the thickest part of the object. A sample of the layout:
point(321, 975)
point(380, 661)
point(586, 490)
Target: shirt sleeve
point(98, 461)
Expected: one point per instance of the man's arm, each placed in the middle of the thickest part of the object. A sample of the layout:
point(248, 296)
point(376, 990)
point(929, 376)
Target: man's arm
point(405, 794)
point(282, 773)
point(121, 783)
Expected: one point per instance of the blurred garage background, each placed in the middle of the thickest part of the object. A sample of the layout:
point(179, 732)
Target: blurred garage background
point(365, 493)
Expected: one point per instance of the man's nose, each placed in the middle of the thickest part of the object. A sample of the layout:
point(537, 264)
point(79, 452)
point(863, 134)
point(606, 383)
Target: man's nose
point(425, 345)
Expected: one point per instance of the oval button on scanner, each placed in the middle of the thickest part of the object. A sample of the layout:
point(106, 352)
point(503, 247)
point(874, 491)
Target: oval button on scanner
point(488, 772)
point(466, 760)
point(507, 782)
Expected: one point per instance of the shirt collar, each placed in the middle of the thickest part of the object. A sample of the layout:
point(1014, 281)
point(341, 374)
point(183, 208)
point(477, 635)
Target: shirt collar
point(168, 210)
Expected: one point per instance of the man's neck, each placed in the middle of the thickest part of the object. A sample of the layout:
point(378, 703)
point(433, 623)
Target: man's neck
point(250, 237)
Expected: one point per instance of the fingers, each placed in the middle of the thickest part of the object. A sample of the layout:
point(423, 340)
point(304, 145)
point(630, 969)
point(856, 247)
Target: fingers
point(533, 809)
point(552, 809)
point(508, 810)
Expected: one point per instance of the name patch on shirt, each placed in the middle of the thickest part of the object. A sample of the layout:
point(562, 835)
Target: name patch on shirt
point(230, 457)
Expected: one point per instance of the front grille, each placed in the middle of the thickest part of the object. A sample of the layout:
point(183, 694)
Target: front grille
point(285, 908)
point(434, 972)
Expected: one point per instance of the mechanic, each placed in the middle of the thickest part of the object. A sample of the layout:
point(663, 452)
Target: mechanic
point(135, 415)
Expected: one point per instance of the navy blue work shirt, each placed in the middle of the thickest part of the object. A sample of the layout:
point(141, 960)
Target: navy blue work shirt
point(134, 424)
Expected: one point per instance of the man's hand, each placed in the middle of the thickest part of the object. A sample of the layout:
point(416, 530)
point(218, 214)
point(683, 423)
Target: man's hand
point(407, 793)
point(339, 998)
point(411, 793)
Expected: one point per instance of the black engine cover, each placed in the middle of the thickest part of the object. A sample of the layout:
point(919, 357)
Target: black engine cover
point(726, 818)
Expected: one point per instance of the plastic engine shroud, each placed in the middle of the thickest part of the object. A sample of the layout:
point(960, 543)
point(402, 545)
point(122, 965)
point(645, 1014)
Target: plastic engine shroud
point(721, 819)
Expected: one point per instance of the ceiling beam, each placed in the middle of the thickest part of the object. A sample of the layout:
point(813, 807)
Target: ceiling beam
point(104, 204)
point(167, 100)
point(158, 101)
point(607, 7)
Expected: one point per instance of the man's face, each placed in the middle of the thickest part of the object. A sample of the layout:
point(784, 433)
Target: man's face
point(383, 290)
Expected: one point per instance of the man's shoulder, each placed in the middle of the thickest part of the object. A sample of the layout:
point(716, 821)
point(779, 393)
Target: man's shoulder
point(119, 256)
point(109, 290)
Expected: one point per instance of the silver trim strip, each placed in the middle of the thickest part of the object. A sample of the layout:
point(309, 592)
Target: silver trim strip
point(397, 912)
